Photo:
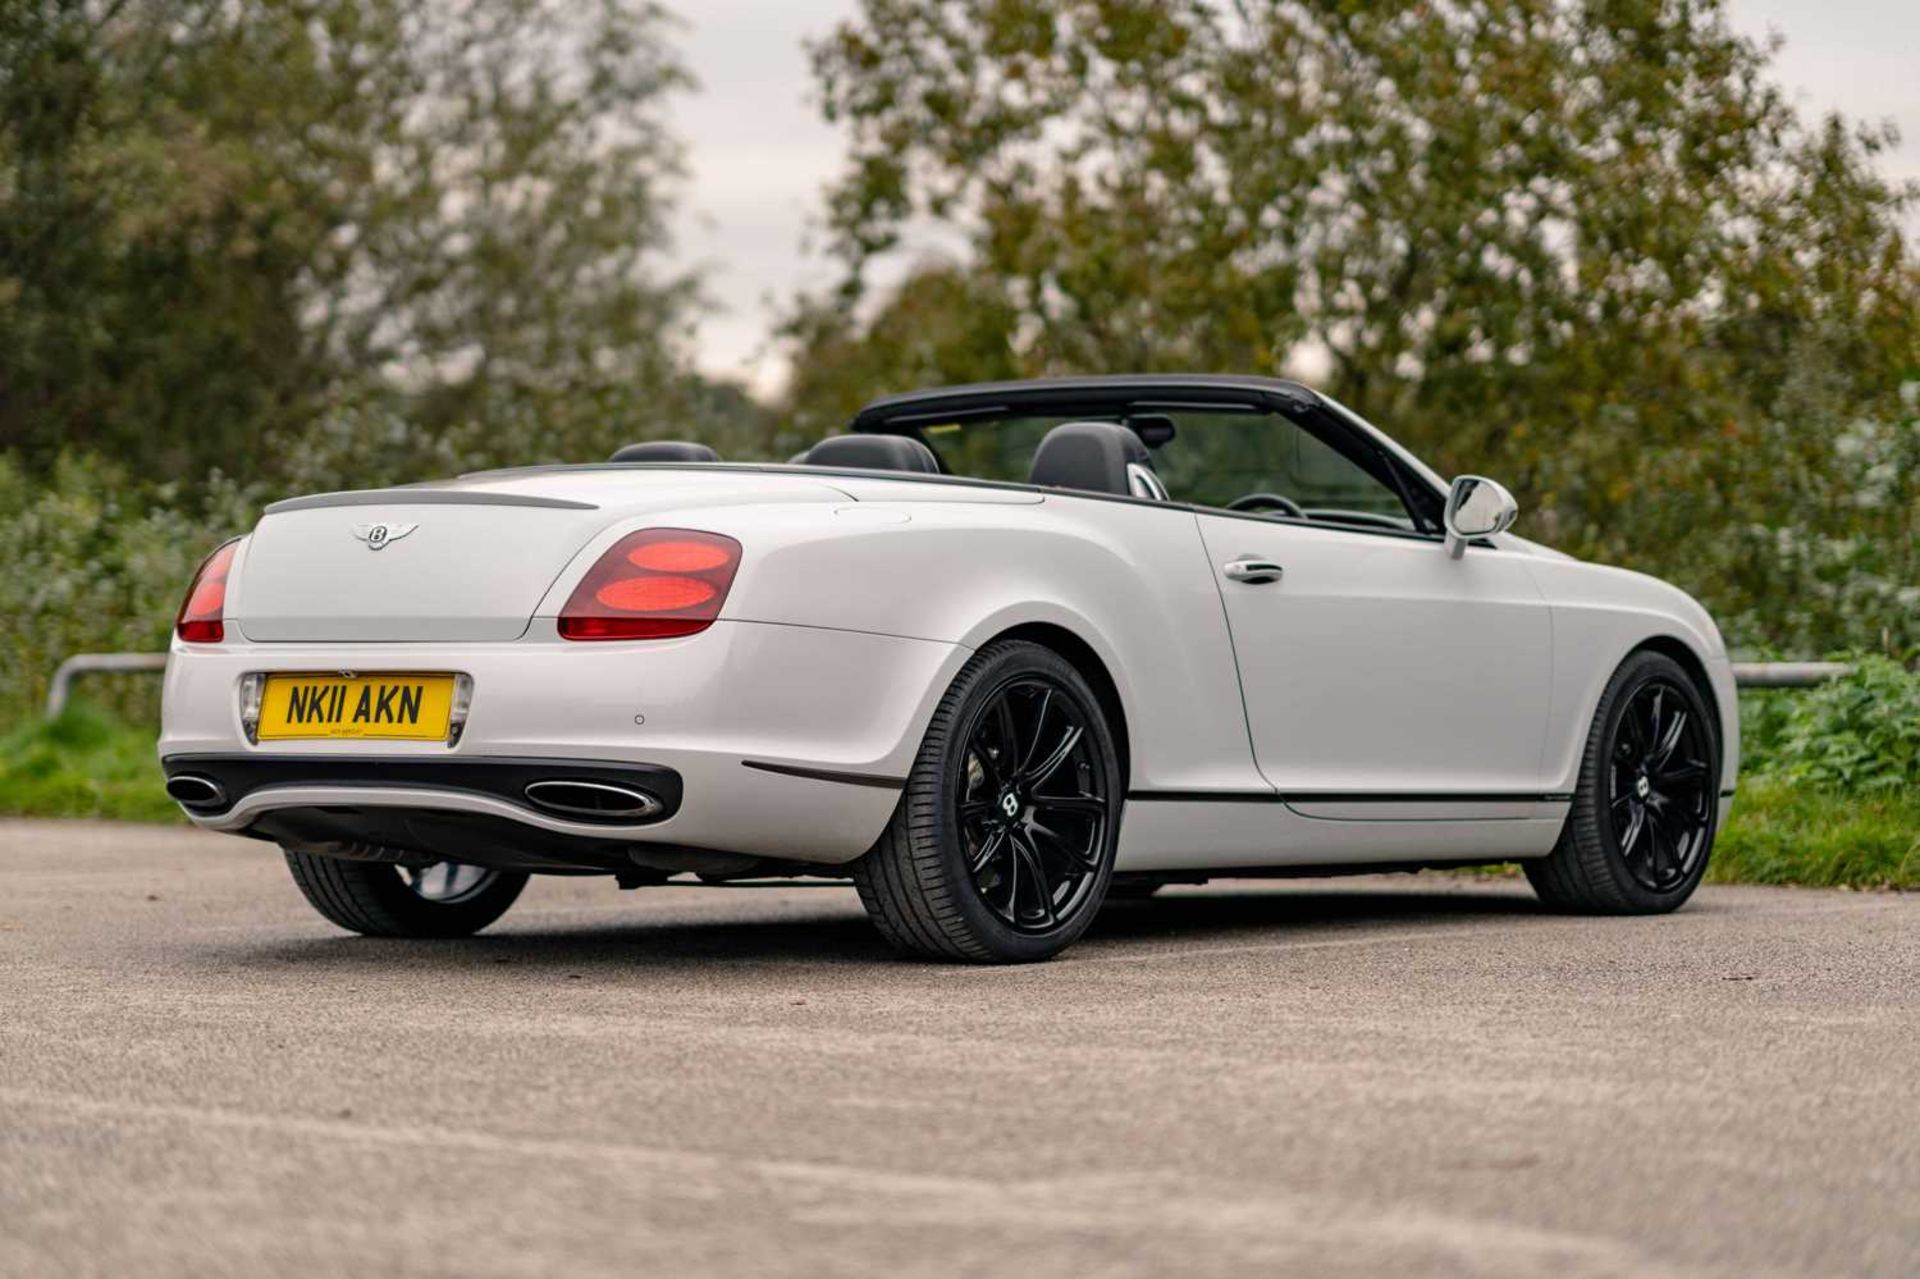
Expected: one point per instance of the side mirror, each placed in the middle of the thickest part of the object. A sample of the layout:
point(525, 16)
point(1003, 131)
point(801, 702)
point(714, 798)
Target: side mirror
point(1476, 507)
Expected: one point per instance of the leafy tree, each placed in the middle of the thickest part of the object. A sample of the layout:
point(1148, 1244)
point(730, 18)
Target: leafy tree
point(96, 564)
point(941, 324)
point(1586, 246)
point(221, 225)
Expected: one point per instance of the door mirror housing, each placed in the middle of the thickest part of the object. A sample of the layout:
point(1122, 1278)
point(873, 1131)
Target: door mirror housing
point(1476, 507)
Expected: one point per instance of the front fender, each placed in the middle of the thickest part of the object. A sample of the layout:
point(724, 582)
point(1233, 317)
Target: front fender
point(1600, 616)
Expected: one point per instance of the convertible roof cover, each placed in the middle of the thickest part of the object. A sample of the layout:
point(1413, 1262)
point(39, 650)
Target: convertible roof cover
point(1075, 394)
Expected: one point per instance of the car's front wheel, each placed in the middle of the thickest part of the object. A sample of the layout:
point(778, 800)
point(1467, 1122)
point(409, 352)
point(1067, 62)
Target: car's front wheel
point(377, 899)
point(1002, 846)
point(1642, 824)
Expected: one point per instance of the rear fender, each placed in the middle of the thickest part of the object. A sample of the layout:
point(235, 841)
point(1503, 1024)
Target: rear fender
point(1131, 580)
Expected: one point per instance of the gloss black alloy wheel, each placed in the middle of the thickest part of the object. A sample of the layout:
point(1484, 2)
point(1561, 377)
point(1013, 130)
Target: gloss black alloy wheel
point(1660, 806)
point(1643, 817)
point(1003, 844)
point(1032, 806)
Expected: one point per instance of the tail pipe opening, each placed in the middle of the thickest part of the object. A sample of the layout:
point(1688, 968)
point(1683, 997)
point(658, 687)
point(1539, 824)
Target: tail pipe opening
point(195, 791)
point(592, 801)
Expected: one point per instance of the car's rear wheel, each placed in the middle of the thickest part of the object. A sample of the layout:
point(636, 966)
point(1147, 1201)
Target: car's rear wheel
point(444, 899)
point(1002, 846)
point(1644, 813)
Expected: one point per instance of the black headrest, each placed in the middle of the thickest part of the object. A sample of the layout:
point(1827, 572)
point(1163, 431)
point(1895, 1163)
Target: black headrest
point(873, 453)
point(666, 451)
point(1091, 456)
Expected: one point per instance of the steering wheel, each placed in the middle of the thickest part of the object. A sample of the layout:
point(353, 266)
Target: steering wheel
point(1266, 501)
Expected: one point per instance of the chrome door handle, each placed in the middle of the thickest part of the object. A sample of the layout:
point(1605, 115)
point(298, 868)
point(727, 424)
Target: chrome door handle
point(1252, 571)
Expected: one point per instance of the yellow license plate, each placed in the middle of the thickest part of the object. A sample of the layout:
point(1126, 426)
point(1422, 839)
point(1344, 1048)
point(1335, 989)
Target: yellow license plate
point(414, 708)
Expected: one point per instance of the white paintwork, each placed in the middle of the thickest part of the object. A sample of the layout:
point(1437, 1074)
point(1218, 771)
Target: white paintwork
point(1130, 579)
point(1376, 664)
point(463, 573)
point(838, 700)
point(1176, 836)
point(1600, 615)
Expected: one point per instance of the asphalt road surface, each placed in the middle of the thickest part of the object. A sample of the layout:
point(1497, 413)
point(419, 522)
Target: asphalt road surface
point(1358, 1077)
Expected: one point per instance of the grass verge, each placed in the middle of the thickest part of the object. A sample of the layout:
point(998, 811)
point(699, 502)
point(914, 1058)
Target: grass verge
point(84, 764)
point(1786, 832)
point(87, 764)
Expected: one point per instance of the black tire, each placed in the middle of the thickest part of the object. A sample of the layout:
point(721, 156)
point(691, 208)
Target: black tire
point(1641, 828)
point(378, 899)
point(981, 810)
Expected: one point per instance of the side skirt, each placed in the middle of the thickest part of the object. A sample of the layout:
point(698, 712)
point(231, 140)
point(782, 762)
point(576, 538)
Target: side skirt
point(1163, 831)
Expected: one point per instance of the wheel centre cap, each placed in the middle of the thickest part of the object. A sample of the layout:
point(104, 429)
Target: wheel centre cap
point(1643, 787)
point(1010, 805)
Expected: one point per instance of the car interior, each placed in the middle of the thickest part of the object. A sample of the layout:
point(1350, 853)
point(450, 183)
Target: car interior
point(665, 451)
point(1245, 460)
point(873, 453)
point(1091, 457)
point(1096, 457)
point(1249, 461)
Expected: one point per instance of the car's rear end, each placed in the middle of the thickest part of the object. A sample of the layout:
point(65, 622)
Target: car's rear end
point(556, 670)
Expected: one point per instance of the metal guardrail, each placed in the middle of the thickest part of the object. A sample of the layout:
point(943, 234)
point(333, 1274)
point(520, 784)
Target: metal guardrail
point(1786, 674)
point(60, 692)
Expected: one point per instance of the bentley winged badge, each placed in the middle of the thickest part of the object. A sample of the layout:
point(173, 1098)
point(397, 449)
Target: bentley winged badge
point(377, 536)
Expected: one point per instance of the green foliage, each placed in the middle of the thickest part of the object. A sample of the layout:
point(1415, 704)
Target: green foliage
point(96, 564)
point(317, 244)
point(1830, 787)
point(235, 236)
point(84, 764)
point(1783, 832)
point(1859, 735)
point(940, 326)
point(1587, 247)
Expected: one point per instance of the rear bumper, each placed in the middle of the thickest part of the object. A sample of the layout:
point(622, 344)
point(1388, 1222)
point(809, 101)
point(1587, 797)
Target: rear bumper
point(475, 813)
point(780, 742)
point(237, 787)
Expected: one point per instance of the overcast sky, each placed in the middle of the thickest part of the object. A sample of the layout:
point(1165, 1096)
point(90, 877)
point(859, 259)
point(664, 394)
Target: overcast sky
point(761, 155)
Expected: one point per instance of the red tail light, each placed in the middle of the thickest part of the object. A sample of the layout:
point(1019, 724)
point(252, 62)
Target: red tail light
point(654, 584)
point(201, 613)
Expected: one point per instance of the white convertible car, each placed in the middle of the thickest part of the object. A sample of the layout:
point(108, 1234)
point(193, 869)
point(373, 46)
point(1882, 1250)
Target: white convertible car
point(999, 653)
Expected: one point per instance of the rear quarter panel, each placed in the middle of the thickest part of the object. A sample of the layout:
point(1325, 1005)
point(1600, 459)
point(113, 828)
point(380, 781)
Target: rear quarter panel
point(1130, 580)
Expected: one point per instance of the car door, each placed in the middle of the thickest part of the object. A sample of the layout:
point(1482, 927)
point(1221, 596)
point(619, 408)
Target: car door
point(1377, 669)
point(1382, 678)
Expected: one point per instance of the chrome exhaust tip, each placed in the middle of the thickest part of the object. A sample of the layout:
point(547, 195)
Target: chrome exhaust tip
point(195, 791)
point(592, 801)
